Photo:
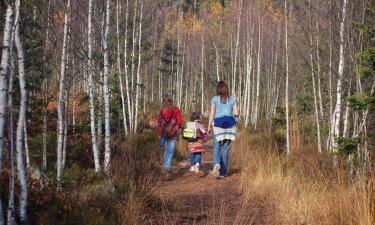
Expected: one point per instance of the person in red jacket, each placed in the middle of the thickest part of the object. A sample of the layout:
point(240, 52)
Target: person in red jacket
point(169, 124)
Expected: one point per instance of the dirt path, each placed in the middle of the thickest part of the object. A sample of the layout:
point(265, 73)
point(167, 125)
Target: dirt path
point(205, 200)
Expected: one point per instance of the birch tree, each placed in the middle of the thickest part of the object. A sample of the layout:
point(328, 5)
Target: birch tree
point(317, 115)
point(60, 103)
point(95, 150)
point(7, 33)
point(22, 179)
point(138, 84)
point(335, 123)
point(107, 151)
point(286, 78)
point(119, 71)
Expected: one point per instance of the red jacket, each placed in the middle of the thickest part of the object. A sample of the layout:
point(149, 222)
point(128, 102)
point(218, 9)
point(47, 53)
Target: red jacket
point(167, 113)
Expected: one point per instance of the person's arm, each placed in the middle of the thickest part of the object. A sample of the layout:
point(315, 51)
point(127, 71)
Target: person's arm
point(211, 119)
point(159, 118)
point(179, 118)
point(235, 110)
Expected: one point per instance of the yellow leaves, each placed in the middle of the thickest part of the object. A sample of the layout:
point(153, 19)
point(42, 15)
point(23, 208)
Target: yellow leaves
point(275, 13)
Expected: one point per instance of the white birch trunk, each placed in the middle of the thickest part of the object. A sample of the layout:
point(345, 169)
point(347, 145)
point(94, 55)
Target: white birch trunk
point(335, 124)
point(26, 142)
point(134, 41)
point(11, 196)
point(22, 179)
point(138, 84)
point(287, 79)
point(317, 115)
point(60, 103)
point(127, 87)
point(107, 151)
point(259, 63)
point(236, 51)
point(95, 149)
point(65, 138)
point(7, 34)
point(217, 62)
point(119, 69)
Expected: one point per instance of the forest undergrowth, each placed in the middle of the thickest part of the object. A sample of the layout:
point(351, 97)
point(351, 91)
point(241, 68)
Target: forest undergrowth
point(304, 187)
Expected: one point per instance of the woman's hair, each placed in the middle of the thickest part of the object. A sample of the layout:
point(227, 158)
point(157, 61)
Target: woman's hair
point(195, 116)
point(222, 91)
point(167, 101)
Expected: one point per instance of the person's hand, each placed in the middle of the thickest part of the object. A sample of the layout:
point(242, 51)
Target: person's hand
point(209, 131)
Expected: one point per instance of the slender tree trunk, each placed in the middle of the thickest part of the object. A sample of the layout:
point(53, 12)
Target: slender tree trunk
point(119, 69)
point(138, 84)
point(335, 124)
point(100, 116)
point(95, 150)
point(345, 132)
point(217, 62)
point(107, 152)
point(65, 138)
point(134, 41)
point(127, 87)
point(319, 73)
point(60, 103)
point(317, 121)
point(26, 142)
point(259, 63)
point(22, 179)
point(287, 79)
point(7, 34)
point(236, 51)
point(11, 196)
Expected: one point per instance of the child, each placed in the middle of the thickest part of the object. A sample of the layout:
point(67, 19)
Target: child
point(196, 148)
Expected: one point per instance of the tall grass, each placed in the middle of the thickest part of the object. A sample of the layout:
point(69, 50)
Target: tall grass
point(303, 188)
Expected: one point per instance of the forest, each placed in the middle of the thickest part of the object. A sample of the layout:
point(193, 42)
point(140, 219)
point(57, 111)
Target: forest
point(82, 82)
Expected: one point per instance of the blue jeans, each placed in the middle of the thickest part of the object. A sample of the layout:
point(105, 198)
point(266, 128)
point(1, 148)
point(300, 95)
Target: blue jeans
point(196, 158)
point(169, 147)
point(221, 155)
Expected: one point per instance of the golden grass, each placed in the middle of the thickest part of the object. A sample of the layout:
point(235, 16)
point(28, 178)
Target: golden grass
point(303, 188)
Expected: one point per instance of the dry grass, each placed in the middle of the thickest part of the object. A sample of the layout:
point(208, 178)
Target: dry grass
point(303, 188)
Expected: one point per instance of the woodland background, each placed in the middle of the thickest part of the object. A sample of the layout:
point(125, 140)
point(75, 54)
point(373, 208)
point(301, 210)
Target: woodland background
point(81, 83)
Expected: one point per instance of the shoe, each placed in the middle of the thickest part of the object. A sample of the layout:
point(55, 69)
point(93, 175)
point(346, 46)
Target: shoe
point(191, 169)
point(215, 171)
point(220, 177)
point(196, 170)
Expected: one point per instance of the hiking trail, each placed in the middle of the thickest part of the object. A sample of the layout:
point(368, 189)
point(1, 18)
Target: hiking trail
point(205, 200)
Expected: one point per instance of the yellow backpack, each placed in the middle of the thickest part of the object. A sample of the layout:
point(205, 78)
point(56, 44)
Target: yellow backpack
point(190, 132)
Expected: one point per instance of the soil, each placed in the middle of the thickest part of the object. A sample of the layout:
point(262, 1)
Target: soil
point(187, 199)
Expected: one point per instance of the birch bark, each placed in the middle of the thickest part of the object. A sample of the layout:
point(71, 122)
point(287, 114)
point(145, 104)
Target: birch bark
point(335, 124)
point(60, 103)
point(124, 121)
point(107, 151)
point(21, 120)
point(287, 79)
point(138, 84)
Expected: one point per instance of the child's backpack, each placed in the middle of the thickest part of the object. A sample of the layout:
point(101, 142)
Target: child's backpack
point(190, 132)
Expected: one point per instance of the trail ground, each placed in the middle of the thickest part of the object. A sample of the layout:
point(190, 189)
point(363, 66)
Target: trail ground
point(206, 200)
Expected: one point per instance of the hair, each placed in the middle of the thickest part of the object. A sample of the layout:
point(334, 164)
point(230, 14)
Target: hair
point(222, 90)
point(167, 101)
point(195, 116)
